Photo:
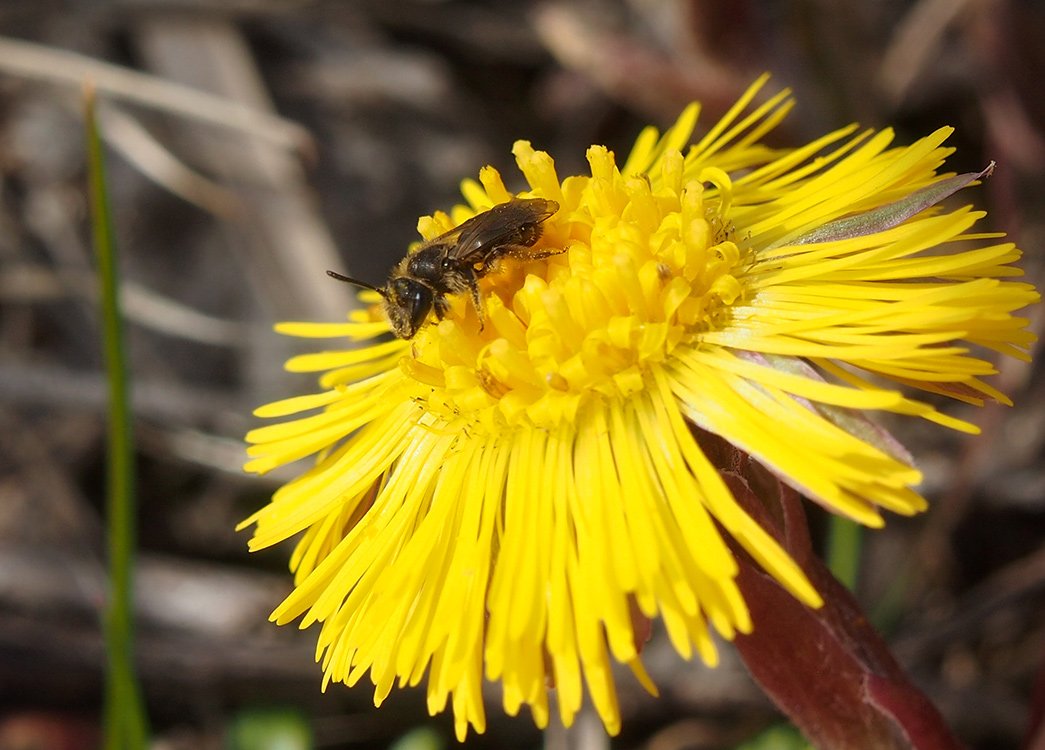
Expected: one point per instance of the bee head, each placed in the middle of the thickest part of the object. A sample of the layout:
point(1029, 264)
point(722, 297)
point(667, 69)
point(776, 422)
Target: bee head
point(407, 303)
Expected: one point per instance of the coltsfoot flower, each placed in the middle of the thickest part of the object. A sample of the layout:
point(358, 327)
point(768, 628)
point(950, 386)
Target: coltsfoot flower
point(513, 500)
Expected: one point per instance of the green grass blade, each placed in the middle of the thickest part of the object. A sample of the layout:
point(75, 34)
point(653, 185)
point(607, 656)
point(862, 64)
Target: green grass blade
point(844, 544)
point(125, 727)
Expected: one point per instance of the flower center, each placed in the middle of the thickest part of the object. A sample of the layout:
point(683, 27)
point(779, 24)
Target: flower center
point(647, 264)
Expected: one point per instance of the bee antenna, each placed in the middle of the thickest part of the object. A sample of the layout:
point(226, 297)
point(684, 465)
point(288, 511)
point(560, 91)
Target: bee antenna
point(357, 282)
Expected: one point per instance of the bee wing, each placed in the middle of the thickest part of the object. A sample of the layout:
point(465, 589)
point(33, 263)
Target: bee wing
point(485, 233)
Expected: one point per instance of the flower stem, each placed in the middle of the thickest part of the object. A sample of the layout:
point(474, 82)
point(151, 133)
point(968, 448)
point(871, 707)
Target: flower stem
point(125, 726)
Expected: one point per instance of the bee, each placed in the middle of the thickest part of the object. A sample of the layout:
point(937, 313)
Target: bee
point(454, 262)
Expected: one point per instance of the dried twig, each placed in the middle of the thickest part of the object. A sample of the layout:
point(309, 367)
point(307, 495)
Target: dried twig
point(142, 305)
point(915, 43)
point(125, 134)
point(71, 69)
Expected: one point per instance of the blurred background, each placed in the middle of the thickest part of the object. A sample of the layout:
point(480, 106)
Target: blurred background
point(255, 143)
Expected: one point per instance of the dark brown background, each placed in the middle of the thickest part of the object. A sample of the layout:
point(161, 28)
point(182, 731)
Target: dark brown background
point(388, 105)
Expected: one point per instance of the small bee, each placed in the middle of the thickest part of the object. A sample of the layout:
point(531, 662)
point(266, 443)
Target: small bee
point(454, 262)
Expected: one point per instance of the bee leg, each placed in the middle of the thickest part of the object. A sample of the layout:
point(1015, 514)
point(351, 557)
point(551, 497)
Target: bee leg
point(522, 252)
point(474, 286)
point(441, 306)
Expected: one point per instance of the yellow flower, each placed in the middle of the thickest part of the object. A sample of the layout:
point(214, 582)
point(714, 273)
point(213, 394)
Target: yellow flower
point(509, 501)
